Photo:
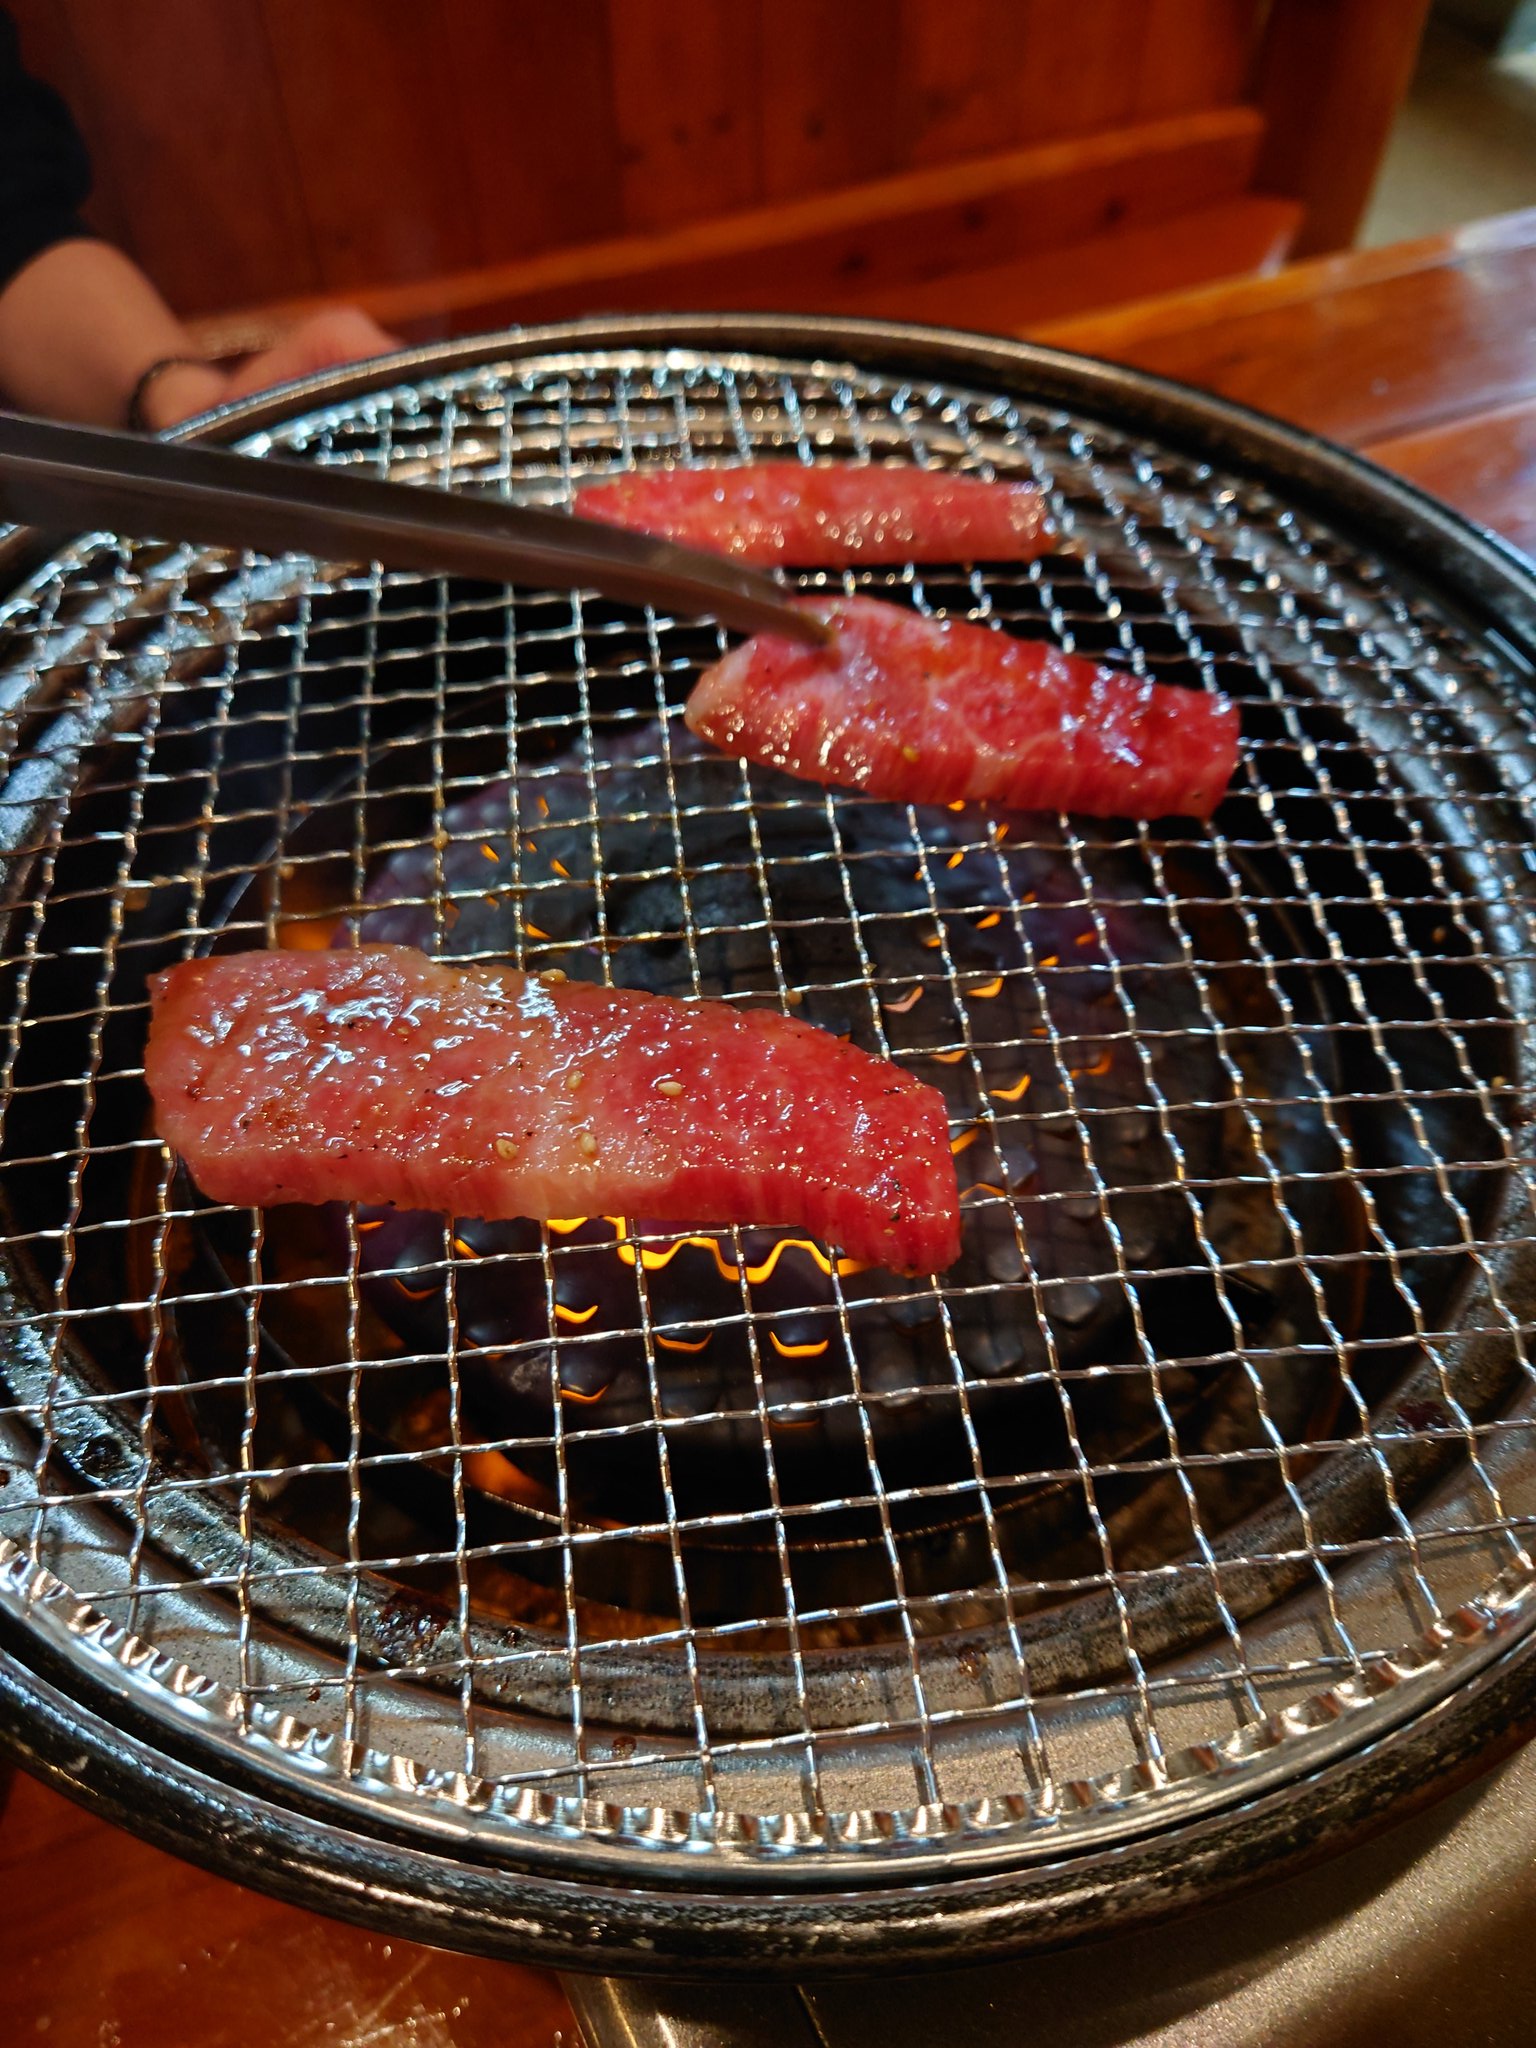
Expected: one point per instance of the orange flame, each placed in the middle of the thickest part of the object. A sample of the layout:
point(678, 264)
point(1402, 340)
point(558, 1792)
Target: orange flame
point(575, 1315)
point(987, 989)
point(900, 1009)
point(1019, 1088)
point(813, 1350)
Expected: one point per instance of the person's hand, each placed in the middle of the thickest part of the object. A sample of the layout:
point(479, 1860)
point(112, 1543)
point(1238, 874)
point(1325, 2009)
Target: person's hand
point(338, 334)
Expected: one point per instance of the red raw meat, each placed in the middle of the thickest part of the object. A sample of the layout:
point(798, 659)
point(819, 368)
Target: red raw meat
point(932, 711)
point(383, 1076)
point(827, 515)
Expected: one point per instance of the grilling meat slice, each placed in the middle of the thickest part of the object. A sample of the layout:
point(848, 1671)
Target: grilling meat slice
point(927, 711)
point(383, 1076)
point(829, 515)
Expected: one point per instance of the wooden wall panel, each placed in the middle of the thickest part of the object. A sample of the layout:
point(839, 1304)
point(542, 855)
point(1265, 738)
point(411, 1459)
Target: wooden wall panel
point(369, 107)
point(1331, 77)
point(263, 151)
point(541, 163)
point(48, 49)
point(963, 79)
point(178, 101)
point(831, 80)
point(1194, 53)
point(686, 102)
point(1080, 61)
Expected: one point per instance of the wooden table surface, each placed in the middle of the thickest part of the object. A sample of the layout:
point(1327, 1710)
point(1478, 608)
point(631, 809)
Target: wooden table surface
point(1422, 355)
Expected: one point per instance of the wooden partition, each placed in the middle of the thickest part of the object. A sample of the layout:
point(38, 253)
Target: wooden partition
point(455, 162)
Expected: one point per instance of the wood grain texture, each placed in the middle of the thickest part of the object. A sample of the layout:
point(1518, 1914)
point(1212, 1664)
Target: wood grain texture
point(1080, 61)
point(1242, 234)
point(1194, 53)
point(827, 96)
point(265, 151)
point(1366, 347)
point(827, 252)
point(1422, 355)
point(107, 1941)
point(179, 109)
point(1483, 463)
point(367, 99)
point(541, 168)
point(964, 78)
point(1331, 76)
point(687, 109)
point(49, 51)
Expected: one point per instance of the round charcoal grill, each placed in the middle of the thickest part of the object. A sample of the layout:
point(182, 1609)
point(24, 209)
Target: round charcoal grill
point(653, 1601)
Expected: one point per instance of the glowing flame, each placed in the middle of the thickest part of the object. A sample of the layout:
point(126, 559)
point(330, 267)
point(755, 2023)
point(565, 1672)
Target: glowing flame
point(489, 851)
point(1019, 1088)
point(815, 1350)
point(561, 869)
point(900, 1009)
point(987, 989)
point(575, 1315)
point(935, 941)
point(416, 1293)
point(965, 1140)
point(985, 924)
point(308, 935)
point(534, 931)
point(955, 859)
point(948, 1058)
point(490, 1472)
point(1100, 1066)
point(682, 1343)
point(652, 1259)
point(1085, 938)
point(543, 806)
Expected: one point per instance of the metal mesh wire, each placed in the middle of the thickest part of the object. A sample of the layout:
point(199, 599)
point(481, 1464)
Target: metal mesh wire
point(1222, 1421)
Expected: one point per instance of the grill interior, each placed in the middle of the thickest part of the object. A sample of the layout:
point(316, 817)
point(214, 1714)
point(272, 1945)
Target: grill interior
point(1218, 1423)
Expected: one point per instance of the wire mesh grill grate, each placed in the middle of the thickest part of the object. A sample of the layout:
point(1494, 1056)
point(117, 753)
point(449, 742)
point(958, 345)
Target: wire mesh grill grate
point(1218, 1434)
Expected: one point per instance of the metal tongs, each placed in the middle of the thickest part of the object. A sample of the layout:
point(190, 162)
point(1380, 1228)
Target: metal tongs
point(63, 479)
